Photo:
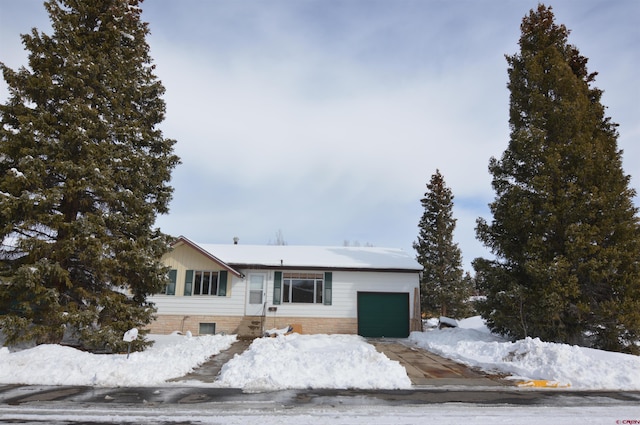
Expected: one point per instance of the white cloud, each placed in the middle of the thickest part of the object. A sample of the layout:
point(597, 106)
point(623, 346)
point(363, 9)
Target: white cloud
point(327, 122)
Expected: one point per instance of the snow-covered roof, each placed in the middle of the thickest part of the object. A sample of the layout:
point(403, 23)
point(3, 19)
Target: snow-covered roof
point(371, 258)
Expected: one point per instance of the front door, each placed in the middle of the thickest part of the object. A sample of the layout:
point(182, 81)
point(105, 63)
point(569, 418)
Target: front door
point(256, 294)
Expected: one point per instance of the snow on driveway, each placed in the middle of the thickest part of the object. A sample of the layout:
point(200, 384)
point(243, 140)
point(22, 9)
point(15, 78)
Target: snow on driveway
point(313, 361)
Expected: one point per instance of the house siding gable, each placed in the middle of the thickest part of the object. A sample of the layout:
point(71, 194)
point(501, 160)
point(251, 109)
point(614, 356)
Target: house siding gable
point(183, 258)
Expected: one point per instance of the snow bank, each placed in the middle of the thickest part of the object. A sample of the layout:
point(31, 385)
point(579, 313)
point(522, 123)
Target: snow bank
point(313, 361)
point(170, 357)
point(321, 361)
point(531, 358)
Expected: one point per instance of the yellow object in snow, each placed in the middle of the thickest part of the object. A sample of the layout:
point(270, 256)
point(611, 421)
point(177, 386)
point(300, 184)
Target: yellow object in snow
point(542, 383)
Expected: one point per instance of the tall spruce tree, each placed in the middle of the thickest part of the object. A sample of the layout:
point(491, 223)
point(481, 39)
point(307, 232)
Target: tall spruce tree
point(444, 291)
point(84, 171)
point(565, 233)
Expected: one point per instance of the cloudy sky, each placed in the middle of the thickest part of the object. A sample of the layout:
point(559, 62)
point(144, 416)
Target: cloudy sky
point(323, 120)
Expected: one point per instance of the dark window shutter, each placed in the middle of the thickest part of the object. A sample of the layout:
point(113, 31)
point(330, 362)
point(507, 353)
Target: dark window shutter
point(277, 287)
point(188, 282)
point(328, 278)
point(171, 287)
point(222, 284)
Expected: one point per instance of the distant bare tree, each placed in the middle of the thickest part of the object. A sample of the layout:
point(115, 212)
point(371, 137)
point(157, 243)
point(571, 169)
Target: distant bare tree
point(279, 239)
point(356, 244)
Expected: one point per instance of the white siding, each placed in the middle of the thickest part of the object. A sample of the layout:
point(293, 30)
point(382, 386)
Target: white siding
point(231, 305)
point(346, 285)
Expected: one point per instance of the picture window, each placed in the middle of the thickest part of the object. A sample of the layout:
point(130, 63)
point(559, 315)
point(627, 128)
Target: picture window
point(205, 283)
point(302, 287)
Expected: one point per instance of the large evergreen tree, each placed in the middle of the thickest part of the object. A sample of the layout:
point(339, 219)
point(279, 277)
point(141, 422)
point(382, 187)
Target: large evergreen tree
point(84, 171)
point(565, 232)
point(444, 291)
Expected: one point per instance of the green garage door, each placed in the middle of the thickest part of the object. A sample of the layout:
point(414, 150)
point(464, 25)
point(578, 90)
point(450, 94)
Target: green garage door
point(383, 314)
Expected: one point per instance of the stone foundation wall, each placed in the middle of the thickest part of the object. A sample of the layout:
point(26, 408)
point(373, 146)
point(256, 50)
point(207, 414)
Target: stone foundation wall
point(166, 324)
point(315, 325)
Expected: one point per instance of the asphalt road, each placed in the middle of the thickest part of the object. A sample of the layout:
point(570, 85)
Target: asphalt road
point(180, 405)
point(18, 395)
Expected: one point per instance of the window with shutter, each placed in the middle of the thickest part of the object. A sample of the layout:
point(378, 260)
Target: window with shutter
point(222, 285)
point(277, 287)
point(328, 287)
point(171, 287)
point(188, 282)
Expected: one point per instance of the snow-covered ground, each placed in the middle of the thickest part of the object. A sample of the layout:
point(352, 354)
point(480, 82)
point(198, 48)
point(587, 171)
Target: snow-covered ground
point(532, 359)
point(342, 361)
point(171, 356)
point(321, 361)
point(313, 361)
point(284, 362)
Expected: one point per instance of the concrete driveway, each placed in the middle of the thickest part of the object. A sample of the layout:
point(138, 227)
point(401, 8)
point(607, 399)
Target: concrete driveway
point(427, 369)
